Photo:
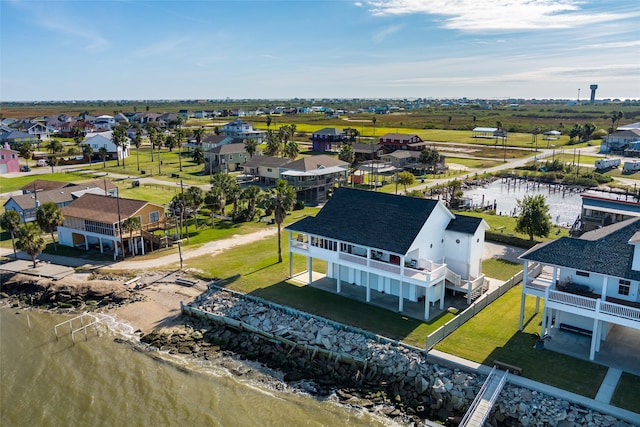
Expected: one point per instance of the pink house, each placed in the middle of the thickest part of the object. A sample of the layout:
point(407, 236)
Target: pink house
point(8, 160)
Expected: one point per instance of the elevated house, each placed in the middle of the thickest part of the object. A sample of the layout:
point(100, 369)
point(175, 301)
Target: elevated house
point(15, 137)
point(409, 247)
point(93, 221)
point(265, 169)
point(401, 141)
point(104, 139)
point(315, 177)
point(600, 209)
point(225, 158)
point(590, 285)
point(327, 139)
point(619, 140)
point(401, 158)
point(365, 152)
point(242, 130)
point(211, 141)
point(27, 203)
point(34, 128)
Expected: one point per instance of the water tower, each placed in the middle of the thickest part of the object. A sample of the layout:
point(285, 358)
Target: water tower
point(593, 88)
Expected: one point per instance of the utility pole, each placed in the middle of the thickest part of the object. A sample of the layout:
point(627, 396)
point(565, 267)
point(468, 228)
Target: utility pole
point(184, 208)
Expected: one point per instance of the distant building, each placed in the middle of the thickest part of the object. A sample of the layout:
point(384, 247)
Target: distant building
point(327, 139)
point(9, 161)
point(242, 130)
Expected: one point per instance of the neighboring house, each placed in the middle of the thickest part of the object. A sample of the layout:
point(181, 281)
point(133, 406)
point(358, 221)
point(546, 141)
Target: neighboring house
point(104, 122)
point(327, 139)
point(409, 247)
point(103, 139)
point(16, 137)
point(243, 130)
point(27, 204)
point(9, 161)
point(401, 141)
point(265, 169)
point(619, 140)
point(36, 129)
point(401, 158)
point(211, 140)
point(600, 209)
point(40, 185)
point(589, 284)
point(225, 158)
point(365, 152)
point(93, 221)
point(315, 177)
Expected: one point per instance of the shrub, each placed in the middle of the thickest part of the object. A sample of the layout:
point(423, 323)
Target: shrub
point(299, 205)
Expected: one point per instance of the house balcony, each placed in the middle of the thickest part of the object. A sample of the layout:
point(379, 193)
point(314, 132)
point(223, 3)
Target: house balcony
point(610, 310)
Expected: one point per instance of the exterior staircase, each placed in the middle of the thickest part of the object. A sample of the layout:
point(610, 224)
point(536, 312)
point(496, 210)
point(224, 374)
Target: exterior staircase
point(483, 403)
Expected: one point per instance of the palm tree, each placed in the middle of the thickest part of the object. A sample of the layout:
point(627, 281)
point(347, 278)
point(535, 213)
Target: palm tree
point(250, 194)
point(26, 151)
point(273, 144)
point(55, 146)
point(268, 121)
point(10, 222)
point(291, 150)
point(53, 160)
point(137, 141)
point(119, 139)
point(198, 156)
point(347, 154)
point(30, 240)
point(103, 155)
point(87, 151)
point(216, 201)
point(280, 201)
point(198, 134)
point(195, 199)
point(170, 141)
point(250, 146)
point(49, 217)
point(130, 224)
point(179, 133)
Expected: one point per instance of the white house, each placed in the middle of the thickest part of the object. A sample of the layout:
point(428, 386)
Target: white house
point(589, 284)
point(242, 130)
point(104, 122)
point(103, 139)
point(404, 246)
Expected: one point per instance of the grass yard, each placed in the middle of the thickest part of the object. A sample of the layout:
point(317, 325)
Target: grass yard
point(496, 222)
point(473, 163)
point(627, 394)
point(493, 335)
point(500, 268)
point(14, 184)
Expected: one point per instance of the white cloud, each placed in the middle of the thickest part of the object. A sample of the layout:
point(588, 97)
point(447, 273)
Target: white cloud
point(160, 48)
point(358, 4)
point(499, 15)
point(379, 36)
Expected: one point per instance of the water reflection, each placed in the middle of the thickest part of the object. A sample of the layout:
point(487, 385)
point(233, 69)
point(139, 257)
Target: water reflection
point(564, 206)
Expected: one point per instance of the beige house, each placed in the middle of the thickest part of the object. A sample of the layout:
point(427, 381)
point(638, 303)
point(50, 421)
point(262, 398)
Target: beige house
point(93, 221)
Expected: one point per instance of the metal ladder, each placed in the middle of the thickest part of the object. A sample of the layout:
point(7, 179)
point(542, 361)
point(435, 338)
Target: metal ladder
point(485, 399)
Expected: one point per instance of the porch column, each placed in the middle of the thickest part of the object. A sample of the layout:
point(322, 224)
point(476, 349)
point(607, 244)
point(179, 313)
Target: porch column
point(599, 337)
point(537, 305)
point(368, 286)
point(469, 293)
point(142, 245)
point(442, 290)
point(525, 276)
point(426, 305)
point(338, 283)
point(290, 264)
point(543, 326)
point(309, 270)
point(101, 248)
point(596, 332)
point(605, 282)
point(86, 243)
point(523, 298)
point(132, 247)
point(401, 298)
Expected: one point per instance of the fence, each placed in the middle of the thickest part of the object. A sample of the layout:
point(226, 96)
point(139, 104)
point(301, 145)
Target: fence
point(443, 331)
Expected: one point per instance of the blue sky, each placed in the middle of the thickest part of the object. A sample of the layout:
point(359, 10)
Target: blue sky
point(64, 50)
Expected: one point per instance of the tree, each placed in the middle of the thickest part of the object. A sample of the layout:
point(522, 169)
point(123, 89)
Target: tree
point(454, 193)
point(30, 240)
point(129, 225)
point(216, 201)
point(170, 142)
point(347, 154)
point(102, 151)
point(250, 194)
point(53, 160)
point(10, 222)
point(49, 217)
point(198, 156)
point(285, 133)
point(250, 146)
point(429, 157)
point(137, 141)
point(273, 144)
point(198, 133)
point(87, 151)
point(26, 151)
point(194, 198)
point(268, 121)
point(119, 138)
point(405, 178)
point(291, 150)
point(587, 131)
point(179, 135)
point(534, 218)
point(55, 146)
point(281, 200)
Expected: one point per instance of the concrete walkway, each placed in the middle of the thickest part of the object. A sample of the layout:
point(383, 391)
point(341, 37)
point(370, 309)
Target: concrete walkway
point(608, 386)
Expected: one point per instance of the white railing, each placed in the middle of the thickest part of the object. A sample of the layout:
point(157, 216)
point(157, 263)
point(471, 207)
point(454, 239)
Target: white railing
point(438, 272)
point(453, 278)
point(385, 266)
point(299, 245)
point(415, 273)
point(353, 258)
point(574, 300)
point(476, 283)
point(620, 310)
point(538, 284)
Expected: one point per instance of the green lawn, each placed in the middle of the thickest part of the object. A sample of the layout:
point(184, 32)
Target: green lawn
point(473, 163)
point(14, 184)
point(500, 268)
point(493, 335)
point(627, 394)
point(496, 222)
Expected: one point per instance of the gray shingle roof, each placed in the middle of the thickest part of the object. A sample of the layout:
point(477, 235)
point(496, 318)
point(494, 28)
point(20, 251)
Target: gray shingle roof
point(378, 220)
point(464, 224)
point(606, 251)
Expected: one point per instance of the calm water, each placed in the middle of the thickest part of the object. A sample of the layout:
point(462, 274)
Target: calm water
point(564, 208)
point(49, 382)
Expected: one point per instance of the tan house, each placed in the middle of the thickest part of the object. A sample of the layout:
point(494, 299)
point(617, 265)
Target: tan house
point(93, 221)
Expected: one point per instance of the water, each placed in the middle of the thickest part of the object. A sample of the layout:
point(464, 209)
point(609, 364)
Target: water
point(563, 207)
point(99, 382)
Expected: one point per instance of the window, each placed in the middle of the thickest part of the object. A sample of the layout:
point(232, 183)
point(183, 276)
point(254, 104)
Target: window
point(154, 216)
point(582, 273)
point(624, 287)
point(1, 156)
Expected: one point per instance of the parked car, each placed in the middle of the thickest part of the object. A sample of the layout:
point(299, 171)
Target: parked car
point(41, 162)
point(25, 169)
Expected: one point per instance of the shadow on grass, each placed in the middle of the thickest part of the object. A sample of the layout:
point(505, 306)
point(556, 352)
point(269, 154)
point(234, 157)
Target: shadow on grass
point(549, 367)
point(361, 315)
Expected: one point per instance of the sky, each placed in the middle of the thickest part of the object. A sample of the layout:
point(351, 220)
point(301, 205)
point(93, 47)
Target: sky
point(151, 50)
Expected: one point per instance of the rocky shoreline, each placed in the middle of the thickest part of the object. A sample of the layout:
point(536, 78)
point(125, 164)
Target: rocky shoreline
point(361, 369)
